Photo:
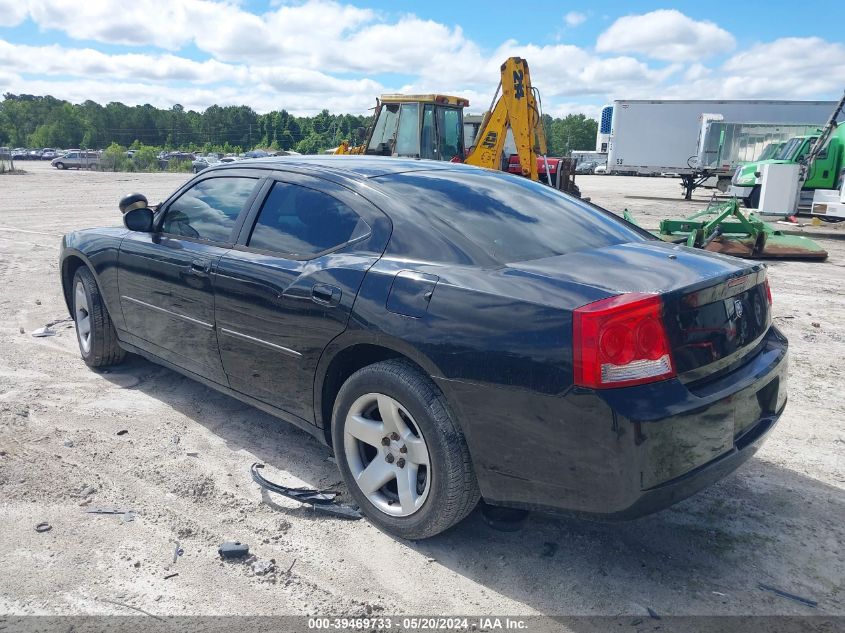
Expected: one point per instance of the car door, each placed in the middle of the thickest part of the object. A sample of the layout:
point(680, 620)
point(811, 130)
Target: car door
point(164, 277)
point(287, 289)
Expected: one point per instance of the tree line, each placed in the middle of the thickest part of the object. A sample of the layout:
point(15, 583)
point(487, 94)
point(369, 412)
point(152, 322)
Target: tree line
point(44, 121)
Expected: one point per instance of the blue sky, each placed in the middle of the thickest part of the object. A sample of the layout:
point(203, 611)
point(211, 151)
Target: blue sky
point(311, 54)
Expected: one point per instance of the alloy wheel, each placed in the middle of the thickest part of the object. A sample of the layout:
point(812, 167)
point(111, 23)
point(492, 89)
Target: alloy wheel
point(387, 454)
point(82, 316)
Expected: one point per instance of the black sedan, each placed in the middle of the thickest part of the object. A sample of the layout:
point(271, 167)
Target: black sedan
point(453, 333)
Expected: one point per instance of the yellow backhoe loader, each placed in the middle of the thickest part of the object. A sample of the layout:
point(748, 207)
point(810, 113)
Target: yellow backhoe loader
point(432, 126)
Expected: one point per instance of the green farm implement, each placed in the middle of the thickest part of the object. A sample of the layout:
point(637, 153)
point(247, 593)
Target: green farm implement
point(724, 228)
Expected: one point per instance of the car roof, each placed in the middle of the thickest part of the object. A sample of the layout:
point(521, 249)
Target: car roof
point(356, 167)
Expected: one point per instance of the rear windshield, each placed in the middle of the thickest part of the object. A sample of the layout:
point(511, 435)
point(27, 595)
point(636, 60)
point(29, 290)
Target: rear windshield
point(507, 217)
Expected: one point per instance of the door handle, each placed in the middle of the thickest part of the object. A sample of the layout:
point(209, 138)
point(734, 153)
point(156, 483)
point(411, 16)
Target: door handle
point(324, 294)
point(200, 267)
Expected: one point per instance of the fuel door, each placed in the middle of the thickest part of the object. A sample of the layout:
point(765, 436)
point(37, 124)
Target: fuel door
point(411, 293)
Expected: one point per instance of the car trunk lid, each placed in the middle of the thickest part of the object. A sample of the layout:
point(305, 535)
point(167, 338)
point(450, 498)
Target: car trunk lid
point(715, 308)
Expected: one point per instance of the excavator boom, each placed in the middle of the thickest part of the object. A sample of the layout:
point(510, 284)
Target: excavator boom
point(518, 110)
point(432, 126)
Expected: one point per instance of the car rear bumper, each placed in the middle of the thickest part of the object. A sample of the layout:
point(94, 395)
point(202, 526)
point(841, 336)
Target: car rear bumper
point(674, 490)
point(624, 453)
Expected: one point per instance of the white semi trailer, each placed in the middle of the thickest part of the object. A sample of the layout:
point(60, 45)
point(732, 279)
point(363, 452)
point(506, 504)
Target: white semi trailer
point(662, 136)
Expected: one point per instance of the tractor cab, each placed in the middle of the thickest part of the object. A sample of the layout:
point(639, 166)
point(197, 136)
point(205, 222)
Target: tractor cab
point(417, 126)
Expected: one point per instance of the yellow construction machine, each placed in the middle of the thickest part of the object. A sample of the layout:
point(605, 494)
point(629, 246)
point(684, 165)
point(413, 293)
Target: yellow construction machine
point(432, 126)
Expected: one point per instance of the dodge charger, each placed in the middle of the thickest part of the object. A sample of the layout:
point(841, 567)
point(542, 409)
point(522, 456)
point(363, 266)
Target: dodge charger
point(454, 334)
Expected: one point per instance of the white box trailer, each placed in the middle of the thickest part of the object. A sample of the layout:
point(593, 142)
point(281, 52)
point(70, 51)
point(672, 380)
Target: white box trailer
point(650, 137)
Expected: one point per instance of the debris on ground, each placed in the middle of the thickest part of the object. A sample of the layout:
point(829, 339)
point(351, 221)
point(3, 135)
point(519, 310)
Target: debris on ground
point(652, 613)
point(319, 500)
point(122, 432)
point(43, 527)
point(169, 576)
point(262, 567)
point(786, 594)
point(126, 514)
point(177, 552)
point(43, 331)
point(233, 549)
point(87, 491)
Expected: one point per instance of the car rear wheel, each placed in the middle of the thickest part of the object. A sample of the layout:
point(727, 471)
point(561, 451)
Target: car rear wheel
point(95, 332)
point(404, 459)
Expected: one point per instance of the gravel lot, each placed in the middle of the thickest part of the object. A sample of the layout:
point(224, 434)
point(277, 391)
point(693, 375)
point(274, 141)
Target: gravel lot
point(183, 466)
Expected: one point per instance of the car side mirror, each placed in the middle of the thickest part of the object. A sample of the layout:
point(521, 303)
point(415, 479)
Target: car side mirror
point(133, 201)
point(139, 219)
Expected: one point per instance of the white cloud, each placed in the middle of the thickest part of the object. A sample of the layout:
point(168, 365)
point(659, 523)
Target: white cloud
point(787, 68)
point(665, 34)
point(306, 56)
point(12, 12)
point(574, 18)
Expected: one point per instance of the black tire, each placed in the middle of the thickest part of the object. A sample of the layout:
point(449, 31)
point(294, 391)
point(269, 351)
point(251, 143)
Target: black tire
point(753, 199)
point(103, 348)
point(60, 166)
point(453, 492)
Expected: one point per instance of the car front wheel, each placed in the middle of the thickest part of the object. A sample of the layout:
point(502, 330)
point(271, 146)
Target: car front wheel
point(95, 332)
point(60, 165)
point(403, 457)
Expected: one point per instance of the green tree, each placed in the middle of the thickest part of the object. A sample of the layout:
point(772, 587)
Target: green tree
point(573, 132)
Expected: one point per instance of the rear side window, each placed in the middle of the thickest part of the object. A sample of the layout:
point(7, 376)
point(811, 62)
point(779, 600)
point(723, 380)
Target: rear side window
point(500, 216)
point(302, 222)
point(209, 209)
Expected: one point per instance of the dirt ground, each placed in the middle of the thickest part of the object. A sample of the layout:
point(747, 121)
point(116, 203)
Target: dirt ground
point(178, 454)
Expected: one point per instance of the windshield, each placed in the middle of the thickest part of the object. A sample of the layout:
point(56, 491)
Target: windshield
point(502, 217)
point(791, 150)
point(770, 151)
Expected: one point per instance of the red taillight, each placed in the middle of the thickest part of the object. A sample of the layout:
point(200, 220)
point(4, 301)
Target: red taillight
point(768, 292)
point(620, 341)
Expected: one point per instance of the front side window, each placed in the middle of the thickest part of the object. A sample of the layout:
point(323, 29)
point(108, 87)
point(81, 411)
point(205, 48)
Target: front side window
point(302, 222)
point(384, 133)
point(209, 209)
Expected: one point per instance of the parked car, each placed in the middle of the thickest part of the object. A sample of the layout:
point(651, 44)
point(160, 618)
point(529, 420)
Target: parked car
point(202, 162)
point(34, 154)
point(75, 158)
point(452, 332)
point(19, 153)
point(600, 169)
point(48, 154)
point(586, 167)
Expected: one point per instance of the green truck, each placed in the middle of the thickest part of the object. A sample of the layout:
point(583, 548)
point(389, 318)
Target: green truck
point(823, 172)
